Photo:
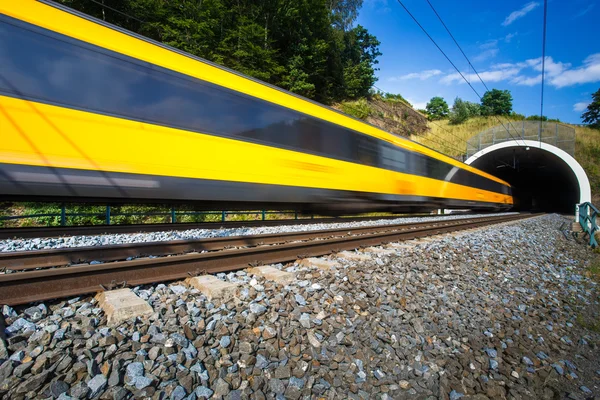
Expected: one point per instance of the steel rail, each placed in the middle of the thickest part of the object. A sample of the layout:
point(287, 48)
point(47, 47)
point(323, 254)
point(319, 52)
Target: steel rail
point(25, 287)
point(57, 231)
point(34, 259)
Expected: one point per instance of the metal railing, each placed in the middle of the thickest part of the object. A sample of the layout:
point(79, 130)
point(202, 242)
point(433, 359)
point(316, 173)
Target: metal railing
point(559, 135)
point(588, 215)
point(107, 215)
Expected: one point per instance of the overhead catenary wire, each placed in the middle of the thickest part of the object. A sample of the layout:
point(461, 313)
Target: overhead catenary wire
point(433, 122)
point(117, 11)
point(442, 143)
point(467, 58)
point(450, 61)
point(543, 64)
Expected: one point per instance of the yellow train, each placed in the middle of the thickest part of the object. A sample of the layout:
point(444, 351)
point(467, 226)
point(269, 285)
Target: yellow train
point(91, 112)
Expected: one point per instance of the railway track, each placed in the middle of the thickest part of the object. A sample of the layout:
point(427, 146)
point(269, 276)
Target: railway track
point(57, 231)
point(48, 274)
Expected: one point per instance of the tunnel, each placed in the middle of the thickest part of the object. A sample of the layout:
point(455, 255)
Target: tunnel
point(543, 177)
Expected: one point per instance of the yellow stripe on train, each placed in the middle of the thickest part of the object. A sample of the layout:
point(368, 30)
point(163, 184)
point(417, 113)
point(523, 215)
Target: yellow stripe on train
point(46, 135)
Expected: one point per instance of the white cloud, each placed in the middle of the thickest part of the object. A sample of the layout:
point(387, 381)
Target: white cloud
point(423, 75)
point(552, 68)
point(527, 81)
point(484, 55)
point(558, 74)
point(509, 37)
point(527, 8)
point(581, 106)
point(488, 49)
point(417, 105)
point(487, 76)
point(589, 72)
point(584, 11)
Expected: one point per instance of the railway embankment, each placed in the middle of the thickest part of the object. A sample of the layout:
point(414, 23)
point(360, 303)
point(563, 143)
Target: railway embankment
point(497, 312)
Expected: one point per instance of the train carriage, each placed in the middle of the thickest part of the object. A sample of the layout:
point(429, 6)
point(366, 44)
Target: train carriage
point(91, 112)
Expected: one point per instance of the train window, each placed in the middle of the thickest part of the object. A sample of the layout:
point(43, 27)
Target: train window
point(368, 151)
point(392, 157)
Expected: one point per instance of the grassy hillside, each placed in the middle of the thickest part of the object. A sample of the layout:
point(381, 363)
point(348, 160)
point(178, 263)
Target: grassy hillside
point(392, 114)
point(450, 139)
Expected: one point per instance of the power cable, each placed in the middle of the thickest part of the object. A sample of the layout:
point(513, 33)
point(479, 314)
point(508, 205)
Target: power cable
point(433, 122)
point(543, 65)
point(450, 61)
point(120, 12)
point(467, 58)
point(442, 143)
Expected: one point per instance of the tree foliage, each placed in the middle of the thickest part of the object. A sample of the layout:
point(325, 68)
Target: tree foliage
point(496, 102)
point(437, 108)
point(460, 111)
point(592, 115)
point(310, 47)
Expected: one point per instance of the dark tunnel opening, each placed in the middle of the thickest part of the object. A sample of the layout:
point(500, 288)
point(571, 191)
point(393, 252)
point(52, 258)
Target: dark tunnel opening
point(541, 180)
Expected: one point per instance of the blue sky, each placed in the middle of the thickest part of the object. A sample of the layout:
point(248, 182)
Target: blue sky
point(503, 40)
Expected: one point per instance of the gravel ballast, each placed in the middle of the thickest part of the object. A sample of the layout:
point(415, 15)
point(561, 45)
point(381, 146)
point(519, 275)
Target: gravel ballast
point(492, 313)
point(121, 238)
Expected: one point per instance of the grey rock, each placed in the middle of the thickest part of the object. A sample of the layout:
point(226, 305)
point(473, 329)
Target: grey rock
point(558, 369)
point(80, 390)
point(116, 377)
point(257, 309)
point(133, 371)
point(58, 387)
point(305, 320)
point(417, 323)
point(225, 341)
point(33, 383)
point(178, 393)
point(142, 382)
point(298, 382)
point(34, 313)
point(276, 386)
point(203, 392)
point(493, 364)
point(221, 388)
point(491, 352)
point(300, 299)
point(585, 390)
point(97, 385)
point(23, 369)
point(313, 340)
point(261, 362)
point(454, 395)
point(282, 372)
point(19, 325)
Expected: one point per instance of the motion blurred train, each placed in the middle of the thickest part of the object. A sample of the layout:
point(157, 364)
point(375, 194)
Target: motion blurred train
point(91, 112)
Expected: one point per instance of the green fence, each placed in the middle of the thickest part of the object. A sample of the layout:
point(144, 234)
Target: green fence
point(107, 215)
point(588, 215)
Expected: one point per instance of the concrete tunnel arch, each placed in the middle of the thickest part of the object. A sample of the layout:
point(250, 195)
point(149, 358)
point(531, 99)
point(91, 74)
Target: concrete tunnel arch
point(544, 177)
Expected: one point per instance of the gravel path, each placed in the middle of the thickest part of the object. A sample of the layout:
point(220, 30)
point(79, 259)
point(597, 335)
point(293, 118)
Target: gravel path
point(102, 240)
point(491, 313)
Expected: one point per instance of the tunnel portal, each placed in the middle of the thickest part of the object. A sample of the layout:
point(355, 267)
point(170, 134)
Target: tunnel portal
point(543, 177)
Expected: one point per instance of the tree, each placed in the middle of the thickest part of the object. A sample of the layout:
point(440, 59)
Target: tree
point(496, 102)
point(592, 115)
point(361, 52)
point(460, 111)
point(310, 47)
point(437, 108)
point(473, 108)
